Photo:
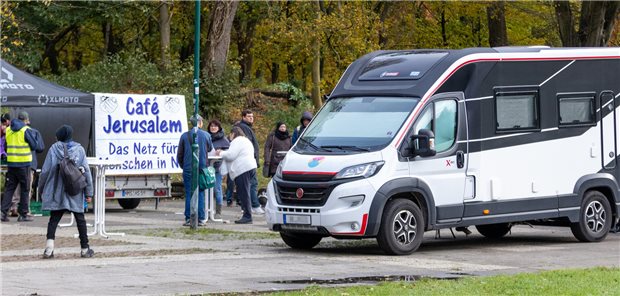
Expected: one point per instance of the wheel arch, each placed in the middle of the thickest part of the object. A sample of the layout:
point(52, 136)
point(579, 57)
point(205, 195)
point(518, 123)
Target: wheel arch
point(410, 188)
point(602, 182)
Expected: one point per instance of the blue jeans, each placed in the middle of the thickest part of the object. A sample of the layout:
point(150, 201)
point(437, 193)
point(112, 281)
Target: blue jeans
point(218, 188)
point(254, 191)
point(187, 183)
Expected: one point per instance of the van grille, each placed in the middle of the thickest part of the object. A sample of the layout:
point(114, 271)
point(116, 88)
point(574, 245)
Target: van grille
point(299, 210)
point(315, 195)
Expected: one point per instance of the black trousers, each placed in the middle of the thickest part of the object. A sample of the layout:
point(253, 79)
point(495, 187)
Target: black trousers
point(14, 176)
point(80, 221)
point(243, 183)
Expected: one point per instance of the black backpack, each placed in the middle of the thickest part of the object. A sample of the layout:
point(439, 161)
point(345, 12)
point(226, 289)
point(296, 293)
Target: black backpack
point(73, 179)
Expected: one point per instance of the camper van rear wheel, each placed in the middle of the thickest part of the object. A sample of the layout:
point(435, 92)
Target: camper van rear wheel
point(129, 203)
point(494, 230)
point(594, 218)
point(402, 227)
point(300, 241)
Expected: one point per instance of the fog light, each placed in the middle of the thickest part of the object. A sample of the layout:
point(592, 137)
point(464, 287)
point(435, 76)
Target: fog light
point(355, 200)
point(355, 226)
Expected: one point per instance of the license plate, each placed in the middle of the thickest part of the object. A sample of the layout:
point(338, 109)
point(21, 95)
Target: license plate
point(297, 219)
point(132, 193)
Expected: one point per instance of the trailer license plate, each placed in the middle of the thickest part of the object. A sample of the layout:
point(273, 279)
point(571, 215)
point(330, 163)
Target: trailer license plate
point(132, 193)
point(297, 219)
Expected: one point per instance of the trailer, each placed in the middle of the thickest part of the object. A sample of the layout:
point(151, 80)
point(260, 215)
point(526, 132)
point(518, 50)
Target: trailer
point(418, 140)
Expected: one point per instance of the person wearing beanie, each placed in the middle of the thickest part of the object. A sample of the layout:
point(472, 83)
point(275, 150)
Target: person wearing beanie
point(20, 142)
point(219, 142)
point(306, 117)
point(39, 147)
point(52, 190)
point(278, 140)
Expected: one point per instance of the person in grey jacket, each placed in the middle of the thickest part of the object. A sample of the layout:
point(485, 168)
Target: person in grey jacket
point(52, 190)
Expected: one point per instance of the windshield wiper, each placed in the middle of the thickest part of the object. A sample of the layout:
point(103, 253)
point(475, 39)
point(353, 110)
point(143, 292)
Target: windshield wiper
point(314, 146)
point(355, 148)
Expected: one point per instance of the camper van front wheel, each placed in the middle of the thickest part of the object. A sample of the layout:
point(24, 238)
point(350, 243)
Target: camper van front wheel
point(402, 227)
point(594, 218)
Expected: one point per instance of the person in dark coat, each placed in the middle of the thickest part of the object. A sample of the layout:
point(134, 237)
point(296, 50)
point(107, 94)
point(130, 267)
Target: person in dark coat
point(220, 142)
point(39, 147)
point(20, 141)
point(52, 190)
point(306, 117)
point(247, 120)
point(184, 158)
point(278, 140)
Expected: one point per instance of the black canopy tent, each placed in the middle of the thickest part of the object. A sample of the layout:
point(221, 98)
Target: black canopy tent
point(49, 106)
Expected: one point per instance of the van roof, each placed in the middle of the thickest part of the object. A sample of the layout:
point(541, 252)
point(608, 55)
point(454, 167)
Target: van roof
point(410, 73)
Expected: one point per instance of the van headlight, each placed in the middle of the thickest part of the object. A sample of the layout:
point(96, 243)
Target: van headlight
point(361, 170)
point(279, 169)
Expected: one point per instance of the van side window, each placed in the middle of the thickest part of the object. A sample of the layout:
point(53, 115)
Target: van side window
point(440, 117)
point(576, 109)
point(516, 110)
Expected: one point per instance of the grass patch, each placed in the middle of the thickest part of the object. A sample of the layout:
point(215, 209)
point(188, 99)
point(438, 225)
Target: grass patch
point(594, 281)
point(208, 234)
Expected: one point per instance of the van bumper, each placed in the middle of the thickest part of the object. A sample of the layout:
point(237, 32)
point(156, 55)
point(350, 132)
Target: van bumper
point(344, 214)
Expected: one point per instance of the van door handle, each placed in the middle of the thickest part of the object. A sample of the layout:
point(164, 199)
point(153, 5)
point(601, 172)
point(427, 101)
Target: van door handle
point(460, 159)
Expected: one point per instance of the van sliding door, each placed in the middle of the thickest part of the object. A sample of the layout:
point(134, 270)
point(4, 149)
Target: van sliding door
point(608, 130)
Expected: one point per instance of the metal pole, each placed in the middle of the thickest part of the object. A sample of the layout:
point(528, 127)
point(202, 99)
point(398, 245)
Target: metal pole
point(195, 159)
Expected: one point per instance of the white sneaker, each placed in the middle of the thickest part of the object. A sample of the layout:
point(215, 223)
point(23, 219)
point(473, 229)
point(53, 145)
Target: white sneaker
point(258, 211)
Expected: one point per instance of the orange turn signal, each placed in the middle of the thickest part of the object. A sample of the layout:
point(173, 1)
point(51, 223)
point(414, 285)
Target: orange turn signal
point(485, 212)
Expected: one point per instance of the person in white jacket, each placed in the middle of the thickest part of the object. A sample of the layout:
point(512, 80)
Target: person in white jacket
point(240, 165)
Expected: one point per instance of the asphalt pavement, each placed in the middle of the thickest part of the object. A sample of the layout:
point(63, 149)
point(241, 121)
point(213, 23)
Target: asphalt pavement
point(137, 264)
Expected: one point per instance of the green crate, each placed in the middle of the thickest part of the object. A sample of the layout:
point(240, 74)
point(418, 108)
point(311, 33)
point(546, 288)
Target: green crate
point(35, 209)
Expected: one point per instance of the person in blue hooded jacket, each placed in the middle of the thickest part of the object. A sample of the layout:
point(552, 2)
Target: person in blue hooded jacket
point(53, 194)
point(184, 158)
point(20, 142)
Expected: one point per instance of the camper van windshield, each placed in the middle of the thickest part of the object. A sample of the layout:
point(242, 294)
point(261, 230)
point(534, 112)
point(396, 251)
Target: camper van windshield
point(354, 125)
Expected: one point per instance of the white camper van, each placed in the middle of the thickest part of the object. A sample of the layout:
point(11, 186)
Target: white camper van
point(418, 140)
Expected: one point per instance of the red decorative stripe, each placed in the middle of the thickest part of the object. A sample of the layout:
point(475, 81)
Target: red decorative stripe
point(362, 230)
point(489, 60)
point(309, 173)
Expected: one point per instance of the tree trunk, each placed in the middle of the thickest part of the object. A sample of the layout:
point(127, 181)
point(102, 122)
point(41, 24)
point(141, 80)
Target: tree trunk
point(611, 16)
point(164, 33)
point(383, 9)
point(566, 23)
point(290, 72)
point(497, 24)
point(244, 33)
point(444, 37)
point(596, 22)
point(51, 53)
point(316, 65)
point(275, 72)
point(221, 17)
point(591, 23)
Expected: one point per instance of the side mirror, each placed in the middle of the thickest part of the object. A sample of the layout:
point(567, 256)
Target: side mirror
point(425, 140)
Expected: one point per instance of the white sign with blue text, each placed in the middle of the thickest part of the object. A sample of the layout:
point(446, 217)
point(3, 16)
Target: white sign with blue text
point(140, 133)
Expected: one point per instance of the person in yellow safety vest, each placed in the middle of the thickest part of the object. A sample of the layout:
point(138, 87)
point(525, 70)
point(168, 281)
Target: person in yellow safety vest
point(33, 168)
point(20, 141)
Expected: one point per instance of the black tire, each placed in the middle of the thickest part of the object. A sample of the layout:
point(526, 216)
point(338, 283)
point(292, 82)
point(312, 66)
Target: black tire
point(301, 241)
point(402, 228)
point(595, 218)
point(494, 230)
point(129, 203)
